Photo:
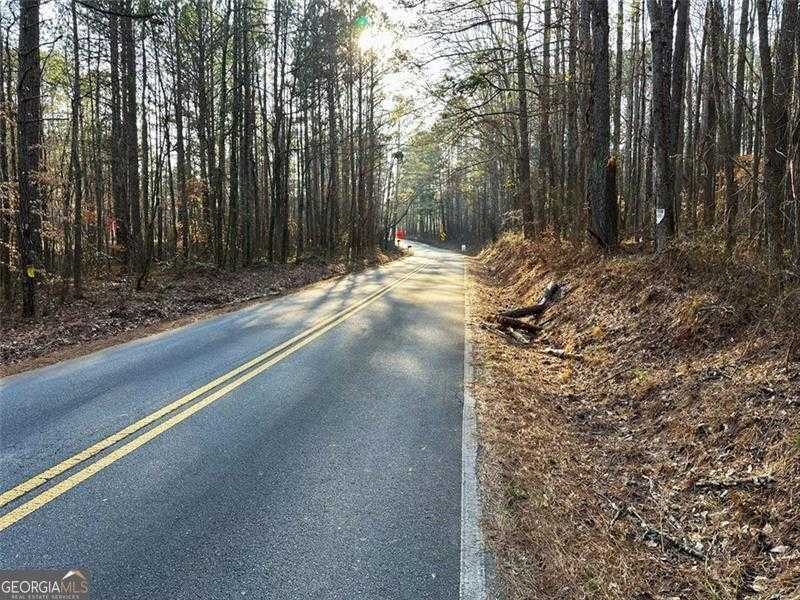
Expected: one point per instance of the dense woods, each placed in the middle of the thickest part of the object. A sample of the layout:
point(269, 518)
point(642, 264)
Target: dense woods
point(223, 132)
point(234, 132)
point(649, 122)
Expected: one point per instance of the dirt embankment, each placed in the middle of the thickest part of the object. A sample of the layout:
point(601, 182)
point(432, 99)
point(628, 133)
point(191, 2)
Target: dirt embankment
point(111, 311)
point(662, 459)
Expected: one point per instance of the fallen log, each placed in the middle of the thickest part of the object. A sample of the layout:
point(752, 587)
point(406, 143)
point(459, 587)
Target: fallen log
point(552, 293)
point(518, 324)
point(728, 484)
point(519, 336)
point(506, 335)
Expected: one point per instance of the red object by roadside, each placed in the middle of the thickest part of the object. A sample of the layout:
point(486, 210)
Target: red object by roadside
point(401, 234)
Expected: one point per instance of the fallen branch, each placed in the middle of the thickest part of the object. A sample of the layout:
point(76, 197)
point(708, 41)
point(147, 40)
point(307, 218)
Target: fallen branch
point(544, 322)
point(519, 336)
point(518, 324)
point(552, 293)
point(758, 481)
point(656, 535)
point(506, 336)
point(558, 353)
point(665, 539)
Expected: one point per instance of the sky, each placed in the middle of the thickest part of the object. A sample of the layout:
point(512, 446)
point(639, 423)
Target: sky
point(385, 39)
point(406, 81)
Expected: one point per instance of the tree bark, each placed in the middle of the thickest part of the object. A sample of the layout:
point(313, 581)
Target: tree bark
point(719, 89)
point(741, 59)
point(661, 36)
point(709, 145)
point(5, 198)
point(29, 152)
point(677, 92)
point(776, 89)
point(183, 200)
point(524, 157)
point(131, 137)
point(603, 219)
point(121, 208)
point(77, 174)
point(618, 79)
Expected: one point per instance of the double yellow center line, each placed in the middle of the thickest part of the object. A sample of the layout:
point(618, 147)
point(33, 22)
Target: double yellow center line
point(239, 376)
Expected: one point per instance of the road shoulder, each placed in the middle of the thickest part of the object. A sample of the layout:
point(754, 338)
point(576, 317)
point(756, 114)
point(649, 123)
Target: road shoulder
point(99, 321)
point(475, 581)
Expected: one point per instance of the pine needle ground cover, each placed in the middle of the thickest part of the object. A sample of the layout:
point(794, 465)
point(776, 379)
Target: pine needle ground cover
point(111, 311)
point(658, 457)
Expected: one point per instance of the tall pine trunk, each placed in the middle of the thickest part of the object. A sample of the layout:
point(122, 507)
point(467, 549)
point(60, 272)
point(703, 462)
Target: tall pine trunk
point(661, 36)
point(602, 168)
point(77, 174)
point(524, 157)
point(131, 137)
point(29, 152)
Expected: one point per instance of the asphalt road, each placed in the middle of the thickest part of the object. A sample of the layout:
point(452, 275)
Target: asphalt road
point(332, 472)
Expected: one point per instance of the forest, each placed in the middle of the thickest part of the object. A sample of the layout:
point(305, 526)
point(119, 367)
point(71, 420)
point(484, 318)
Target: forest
point(142, 134)
point(591, 332)
point(664, 120)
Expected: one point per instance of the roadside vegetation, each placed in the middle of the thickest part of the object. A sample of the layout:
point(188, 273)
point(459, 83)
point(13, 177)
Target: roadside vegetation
point(110, 310)
point(658, 456)
point(150, 139)
point(640, 415)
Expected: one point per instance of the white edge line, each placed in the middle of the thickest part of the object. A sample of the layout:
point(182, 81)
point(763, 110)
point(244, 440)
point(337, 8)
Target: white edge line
point(473, 578)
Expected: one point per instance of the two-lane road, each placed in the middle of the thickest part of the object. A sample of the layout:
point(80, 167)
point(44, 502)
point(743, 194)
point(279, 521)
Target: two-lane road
point(305, 447)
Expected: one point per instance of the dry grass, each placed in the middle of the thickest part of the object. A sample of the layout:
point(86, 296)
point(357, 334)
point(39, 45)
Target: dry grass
point(685, 379)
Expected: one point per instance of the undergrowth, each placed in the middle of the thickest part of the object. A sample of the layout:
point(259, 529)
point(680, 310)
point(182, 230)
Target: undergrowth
point(663, 462)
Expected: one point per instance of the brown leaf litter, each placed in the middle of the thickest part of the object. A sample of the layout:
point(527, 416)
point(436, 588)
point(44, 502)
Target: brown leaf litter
point(111, 311)
point(665, 463)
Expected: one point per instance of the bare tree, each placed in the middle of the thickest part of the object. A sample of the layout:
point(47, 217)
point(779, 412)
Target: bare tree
point(602, 168)
point(29, 152)
point(776, 91)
